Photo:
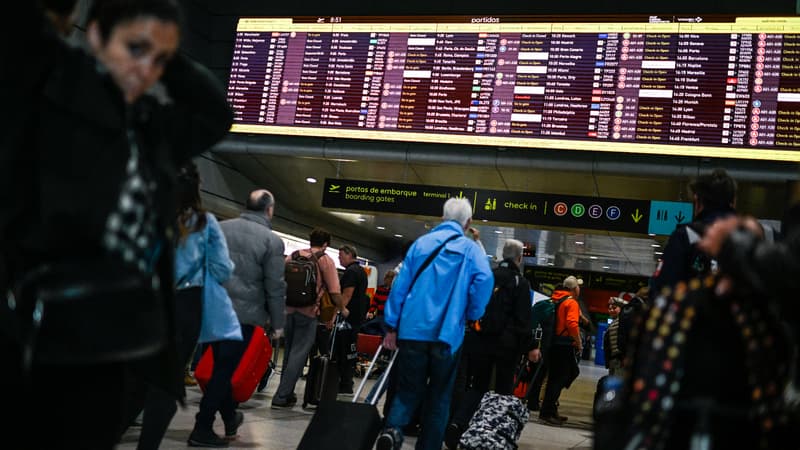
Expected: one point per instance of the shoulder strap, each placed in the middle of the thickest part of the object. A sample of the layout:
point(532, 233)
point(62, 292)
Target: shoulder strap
point(315, 257)
point(516, 282)
point(430, 259)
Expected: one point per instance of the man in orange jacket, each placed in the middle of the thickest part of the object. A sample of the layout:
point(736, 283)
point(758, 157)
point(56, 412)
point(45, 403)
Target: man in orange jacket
point(566, 342)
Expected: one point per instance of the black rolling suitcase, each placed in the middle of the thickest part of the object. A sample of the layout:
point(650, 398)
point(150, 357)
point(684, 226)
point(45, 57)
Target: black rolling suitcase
point(347, 425)
point(322, 381)
point(597, 393)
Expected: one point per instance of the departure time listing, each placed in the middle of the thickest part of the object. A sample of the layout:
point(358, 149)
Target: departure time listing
point(684, 88)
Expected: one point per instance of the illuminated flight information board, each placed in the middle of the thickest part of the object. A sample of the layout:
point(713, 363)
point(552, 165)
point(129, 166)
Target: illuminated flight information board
point(712, 87)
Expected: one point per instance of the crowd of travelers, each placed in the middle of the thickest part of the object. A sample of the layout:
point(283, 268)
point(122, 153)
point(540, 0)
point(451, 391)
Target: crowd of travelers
point(114, 295)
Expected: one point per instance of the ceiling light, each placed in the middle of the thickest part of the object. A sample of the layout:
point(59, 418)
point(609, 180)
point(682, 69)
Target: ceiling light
point(655, 245)
point(380, 227)
point(398, 235)
point(659, 253)
point(651, 234)
point(606, 267)
point(550, 264)
point(361, 219)
point(484, 220)
point(311, 180)
point(593, 257)
point(498, 231)
point(578, 242)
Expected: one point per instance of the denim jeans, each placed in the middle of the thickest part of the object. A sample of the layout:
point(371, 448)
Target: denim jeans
point(301, 332)
point(425, 370)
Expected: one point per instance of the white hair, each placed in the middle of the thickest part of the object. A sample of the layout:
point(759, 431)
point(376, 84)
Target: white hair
point(458, 209)
point(512, 249)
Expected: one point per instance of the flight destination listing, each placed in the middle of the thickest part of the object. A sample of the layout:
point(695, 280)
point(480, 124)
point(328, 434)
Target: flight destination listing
point(715, 89)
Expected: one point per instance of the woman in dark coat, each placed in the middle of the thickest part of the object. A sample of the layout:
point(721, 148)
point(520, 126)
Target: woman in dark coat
point(87, 169)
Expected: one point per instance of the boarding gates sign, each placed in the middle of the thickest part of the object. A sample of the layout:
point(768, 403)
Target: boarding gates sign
point(529, 208)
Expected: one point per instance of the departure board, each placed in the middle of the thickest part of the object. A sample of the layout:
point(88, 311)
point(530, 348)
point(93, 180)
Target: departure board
point(711, 87)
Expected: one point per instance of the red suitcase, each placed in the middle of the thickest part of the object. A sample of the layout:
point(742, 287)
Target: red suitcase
point(251, 368)
point(367, 344)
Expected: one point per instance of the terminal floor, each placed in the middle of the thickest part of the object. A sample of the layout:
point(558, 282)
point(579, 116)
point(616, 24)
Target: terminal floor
point(269, 429)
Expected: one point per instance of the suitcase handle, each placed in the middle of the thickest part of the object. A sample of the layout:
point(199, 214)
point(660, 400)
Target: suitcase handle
point(381, 381)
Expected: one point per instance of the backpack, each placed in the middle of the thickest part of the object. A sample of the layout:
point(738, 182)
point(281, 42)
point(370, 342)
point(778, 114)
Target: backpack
point(300, 274)
point(543, 320)
point(499, 310)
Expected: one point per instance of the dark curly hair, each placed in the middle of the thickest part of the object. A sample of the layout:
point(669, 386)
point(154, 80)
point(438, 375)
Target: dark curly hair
point(110, 13)
point(715, 190)
point(188, 201)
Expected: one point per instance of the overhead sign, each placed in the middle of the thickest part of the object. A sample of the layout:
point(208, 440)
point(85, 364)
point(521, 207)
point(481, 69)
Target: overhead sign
point(530, 208)
point(665, 216)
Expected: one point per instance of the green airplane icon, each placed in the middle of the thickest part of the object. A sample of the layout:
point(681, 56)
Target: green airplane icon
point(334, 187)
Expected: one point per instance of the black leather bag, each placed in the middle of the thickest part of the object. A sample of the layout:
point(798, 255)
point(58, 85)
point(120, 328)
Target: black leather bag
point(86, 313)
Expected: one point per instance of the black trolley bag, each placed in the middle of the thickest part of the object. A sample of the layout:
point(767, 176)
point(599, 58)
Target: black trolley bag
point(344, 425)
point(322, 381)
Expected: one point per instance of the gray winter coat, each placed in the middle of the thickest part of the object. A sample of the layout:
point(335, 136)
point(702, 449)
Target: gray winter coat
point(257, 287)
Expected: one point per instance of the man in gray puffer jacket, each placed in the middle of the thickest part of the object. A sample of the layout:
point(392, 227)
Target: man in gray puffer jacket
point(257, 287)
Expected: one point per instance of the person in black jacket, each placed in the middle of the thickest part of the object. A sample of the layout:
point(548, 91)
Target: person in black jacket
point(717, 360)
point(495, 348)
point(714, 197)
point(354, 296)
point(770, 270)
point(87, 168)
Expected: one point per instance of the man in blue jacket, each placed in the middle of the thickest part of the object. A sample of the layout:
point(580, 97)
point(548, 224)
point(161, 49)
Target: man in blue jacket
point(445, 281)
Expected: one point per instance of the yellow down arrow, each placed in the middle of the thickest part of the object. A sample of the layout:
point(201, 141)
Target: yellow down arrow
point(636, 217)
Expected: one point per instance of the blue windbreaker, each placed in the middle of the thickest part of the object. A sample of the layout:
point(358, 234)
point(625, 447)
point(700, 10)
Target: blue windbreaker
point(454, 288)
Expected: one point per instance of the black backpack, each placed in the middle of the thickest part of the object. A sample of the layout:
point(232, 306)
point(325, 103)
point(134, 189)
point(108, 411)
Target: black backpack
point(497, 316)
point(300, 274)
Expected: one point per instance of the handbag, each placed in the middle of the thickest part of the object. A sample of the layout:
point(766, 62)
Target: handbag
point(219, 321)
point(86, 312)
point(326, 307)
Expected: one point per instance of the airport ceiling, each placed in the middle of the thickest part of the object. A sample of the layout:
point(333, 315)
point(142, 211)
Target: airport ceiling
point(284, 169)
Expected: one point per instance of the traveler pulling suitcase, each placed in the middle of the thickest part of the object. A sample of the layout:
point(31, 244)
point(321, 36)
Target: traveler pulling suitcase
point(496, 425)
point(322, 373)
point(347, 425)
point(251, 368)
